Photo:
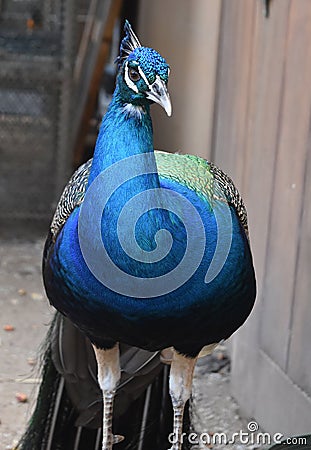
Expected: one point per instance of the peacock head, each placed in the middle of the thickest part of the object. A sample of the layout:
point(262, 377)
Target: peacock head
point(143, 73)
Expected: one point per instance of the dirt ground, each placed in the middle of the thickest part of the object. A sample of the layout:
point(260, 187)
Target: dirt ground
point(24, 319)
point(25, 316)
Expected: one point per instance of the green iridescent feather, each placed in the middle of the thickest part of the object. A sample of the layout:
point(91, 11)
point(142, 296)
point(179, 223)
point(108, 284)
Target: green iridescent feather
point(206, 179)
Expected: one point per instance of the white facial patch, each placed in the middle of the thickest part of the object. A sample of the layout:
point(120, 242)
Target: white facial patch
point(127, 79)
point(130, 83)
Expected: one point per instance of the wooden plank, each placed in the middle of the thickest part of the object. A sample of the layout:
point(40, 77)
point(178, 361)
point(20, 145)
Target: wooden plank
point(265, 103)
point(199, 108)
point(299, 363)
point(187, 36)
point(94, 84)
point(86, 35)
point(232, 86)
point(261, 137)
point(288, 187)
point(282, 407)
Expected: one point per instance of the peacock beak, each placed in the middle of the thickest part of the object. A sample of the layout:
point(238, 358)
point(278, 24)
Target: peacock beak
point(158, 93)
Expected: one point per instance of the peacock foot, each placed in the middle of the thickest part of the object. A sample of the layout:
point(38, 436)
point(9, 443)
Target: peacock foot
point(117, 438)
point(111, 439)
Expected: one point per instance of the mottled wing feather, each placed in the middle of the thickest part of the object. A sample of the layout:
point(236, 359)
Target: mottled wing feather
point(72, 196)
point(231, 193)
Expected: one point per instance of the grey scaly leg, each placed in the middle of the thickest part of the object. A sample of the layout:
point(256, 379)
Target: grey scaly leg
point(108, 377)
point(181, 376)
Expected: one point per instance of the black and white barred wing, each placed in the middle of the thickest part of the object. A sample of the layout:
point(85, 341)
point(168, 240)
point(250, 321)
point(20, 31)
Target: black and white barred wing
point(72, 196)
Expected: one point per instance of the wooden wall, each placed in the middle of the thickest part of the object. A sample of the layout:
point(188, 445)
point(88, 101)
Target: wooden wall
point(241, 88)
point(269, 154)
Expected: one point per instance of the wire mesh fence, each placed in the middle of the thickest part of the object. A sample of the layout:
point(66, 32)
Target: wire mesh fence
point(38, 40)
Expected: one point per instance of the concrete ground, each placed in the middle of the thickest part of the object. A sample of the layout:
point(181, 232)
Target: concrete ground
point(24, 319)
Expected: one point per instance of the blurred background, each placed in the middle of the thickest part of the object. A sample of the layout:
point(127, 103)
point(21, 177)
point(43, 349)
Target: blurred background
point(241, 94)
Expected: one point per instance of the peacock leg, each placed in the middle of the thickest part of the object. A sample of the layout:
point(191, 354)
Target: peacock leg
point(108, 376)
point(181, 375)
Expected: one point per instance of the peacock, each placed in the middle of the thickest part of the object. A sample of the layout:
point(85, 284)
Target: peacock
point(148, 262)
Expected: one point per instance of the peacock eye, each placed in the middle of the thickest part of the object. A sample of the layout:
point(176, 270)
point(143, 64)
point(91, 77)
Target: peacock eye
point(134, 75)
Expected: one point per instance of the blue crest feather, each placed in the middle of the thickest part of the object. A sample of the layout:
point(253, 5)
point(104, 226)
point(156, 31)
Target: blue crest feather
point(128, 43)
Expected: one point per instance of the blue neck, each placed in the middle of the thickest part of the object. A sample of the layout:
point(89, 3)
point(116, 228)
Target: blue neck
point(124, 134)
